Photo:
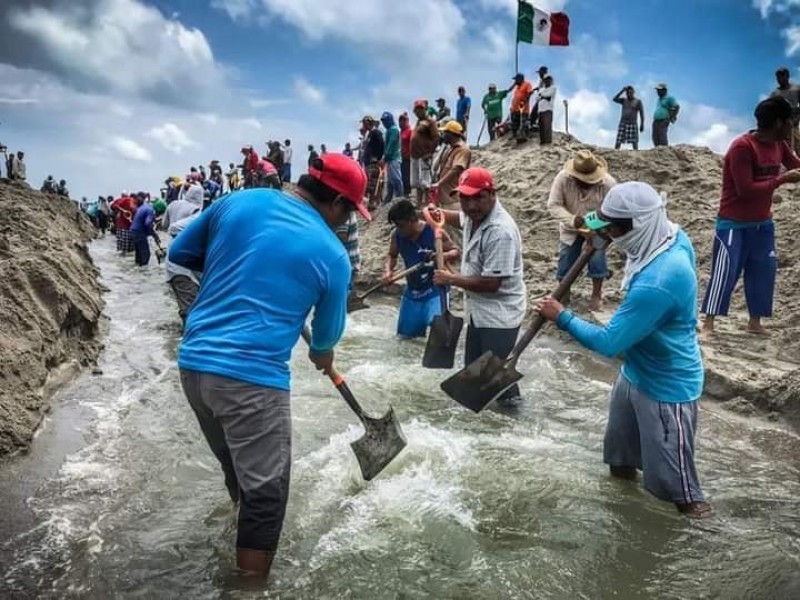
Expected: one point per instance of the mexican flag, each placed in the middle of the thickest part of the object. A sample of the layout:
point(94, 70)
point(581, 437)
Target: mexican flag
point(536, 26)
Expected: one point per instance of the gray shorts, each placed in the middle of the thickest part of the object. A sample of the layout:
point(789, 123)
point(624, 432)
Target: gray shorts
point(421, 172)
point(185, 291)
point(656, 437)
point(249, 430)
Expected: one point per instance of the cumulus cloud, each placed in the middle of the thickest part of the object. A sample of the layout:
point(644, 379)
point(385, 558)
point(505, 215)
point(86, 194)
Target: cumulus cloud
point(435, 24)
point(118, 46)
point(788, 14)
point(127, 148)
point(308, 92)
point(171, 137)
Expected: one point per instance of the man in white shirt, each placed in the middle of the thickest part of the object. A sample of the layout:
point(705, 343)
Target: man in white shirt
point(547, 98)
point(491, 270)
point(286, 176)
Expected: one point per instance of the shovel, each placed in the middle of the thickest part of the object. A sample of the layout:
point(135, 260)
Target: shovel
point(440, 351)
point(160, 252)
point(355, 303)
point(383, 438)
point(486, 378)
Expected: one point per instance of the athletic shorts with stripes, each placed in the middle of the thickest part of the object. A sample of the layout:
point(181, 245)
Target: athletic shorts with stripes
point(752, 250)
point(656, 437)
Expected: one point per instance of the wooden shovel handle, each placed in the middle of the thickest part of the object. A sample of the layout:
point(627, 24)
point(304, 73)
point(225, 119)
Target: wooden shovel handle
point(563, 287)
point(396, 277)
point(339, 382)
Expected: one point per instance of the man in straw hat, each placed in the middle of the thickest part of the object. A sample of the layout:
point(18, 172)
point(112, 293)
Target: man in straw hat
point(654, 402)
point(268, 258)
point(578, 189)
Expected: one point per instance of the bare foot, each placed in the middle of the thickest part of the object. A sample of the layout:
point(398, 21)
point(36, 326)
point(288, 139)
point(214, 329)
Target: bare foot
point(595, 303)
point(757, 330)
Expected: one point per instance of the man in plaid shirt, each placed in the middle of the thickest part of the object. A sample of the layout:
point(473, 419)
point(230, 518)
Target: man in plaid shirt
point(491, 270)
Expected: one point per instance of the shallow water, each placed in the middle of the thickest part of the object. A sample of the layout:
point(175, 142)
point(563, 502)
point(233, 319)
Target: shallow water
point(120, 496)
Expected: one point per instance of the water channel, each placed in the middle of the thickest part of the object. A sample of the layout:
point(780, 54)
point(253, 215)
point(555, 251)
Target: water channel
point(120, 497)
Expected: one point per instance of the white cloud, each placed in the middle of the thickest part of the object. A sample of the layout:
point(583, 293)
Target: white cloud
point(787, 10)
point(588, 107)
point(718, 137)
point(308, 92)
point(511, 5)
point(123, 46)
point(258, 103)
point(592, 61)
point(171, 137)
point(422, 29)
point(19, 101)
point(129, 149)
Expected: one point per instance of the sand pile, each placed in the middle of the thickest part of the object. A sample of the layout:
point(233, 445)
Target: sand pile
point(739, 365)
point(50, 303)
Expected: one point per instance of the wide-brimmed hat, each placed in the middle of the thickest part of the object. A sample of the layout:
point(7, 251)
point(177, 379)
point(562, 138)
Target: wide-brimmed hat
point(587, 167)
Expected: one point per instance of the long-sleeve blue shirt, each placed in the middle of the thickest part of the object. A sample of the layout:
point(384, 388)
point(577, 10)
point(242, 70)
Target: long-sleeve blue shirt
point(654, 328)
point(267, 259)
point(143, 219)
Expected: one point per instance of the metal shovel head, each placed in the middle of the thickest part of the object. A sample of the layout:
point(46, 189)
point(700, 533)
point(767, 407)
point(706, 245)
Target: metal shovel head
point(440, 351)
point(382, 441)
point(355, 303)
point(481, 381)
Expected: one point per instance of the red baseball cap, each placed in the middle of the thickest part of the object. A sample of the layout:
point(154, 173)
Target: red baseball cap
point(344, 175)
point(475, 180)
point(420, 104)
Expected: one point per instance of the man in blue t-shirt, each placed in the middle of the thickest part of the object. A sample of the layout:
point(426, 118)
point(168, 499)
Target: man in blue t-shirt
point(413, 239)
point(141, 229)
point(463, 106)
point(267, 259)
point(654, 402)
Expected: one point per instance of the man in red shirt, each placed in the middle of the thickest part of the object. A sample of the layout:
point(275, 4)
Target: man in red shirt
point(745, 235)
point(123, 209)
point(405, 151)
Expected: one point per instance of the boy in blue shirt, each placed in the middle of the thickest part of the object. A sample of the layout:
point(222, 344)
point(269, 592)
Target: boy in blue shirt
point(267, 259)
point(413, 239)
point(654, 402)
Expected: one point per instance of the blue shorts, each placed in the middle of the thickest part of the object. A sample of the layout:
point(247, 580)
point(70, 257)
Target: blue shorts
point(417, 312)
point(569, 253)
point(656, 437)
point(748, 249)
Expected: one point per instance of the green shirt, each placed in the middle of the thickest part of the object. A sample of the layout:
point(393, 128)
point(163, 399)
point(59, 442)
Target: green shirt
point(493, 104)
point(664, 108)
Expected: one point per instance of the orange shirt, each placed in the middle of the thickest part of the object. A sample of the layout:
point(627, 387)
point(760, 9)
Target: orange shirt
point(521, 100)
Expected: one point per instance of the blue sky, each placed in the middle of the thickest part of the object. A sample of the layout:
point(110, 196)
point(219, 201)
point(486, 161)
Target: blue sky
point(119, 94)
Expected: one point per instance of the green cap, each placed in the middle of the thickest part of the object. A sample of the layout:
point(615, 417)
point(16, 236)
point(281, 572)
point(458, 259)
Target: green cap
point(593, 222)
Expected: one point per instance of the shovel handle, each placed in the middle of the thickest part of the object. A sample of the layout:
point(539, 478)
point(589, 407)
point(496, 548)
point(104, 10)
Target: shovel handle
point(339, 383)
point(395, 277)
point(563, 287)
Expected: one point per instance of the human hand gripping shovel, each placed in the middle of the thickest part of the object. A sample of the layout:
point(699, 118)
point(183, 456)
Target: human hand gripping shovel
point(355, 303)
point(440, 351)
point(383, 438)
point(486, 378)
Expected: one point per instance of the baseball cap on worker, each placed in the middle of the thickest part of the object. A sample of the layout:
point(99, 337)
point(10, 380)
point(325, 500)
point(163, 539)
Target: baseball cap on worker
point(475, 180)
point(661, 86)
point(452, 127)
point(593, 221)
point(420, 104)
point(344, 175)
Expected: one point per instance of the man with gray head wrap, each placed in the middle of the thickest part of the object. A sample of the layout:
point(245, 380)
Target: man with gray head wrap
point(654, 402)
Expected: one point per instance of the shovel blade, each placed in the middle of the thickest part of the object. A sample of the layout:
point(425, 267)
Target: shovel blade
point(481, 381)
point(382, 441)
point(440, 351)
point(355, 303)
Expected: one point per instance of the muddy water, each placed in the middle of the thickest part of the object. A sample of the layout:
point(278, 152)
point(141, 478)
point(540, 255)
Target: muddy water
point(120, 497)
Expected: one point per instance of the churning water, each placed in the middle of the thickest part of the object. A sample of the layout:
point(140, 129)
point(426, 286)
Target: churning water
point(120, 497)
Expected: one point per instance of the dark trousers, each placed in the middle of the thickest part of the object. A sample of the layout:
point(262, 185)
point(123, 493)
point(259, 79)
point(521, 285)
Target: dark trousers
point(519, 125)
point(546, 127)
point(405, 170)
point(141, 248)
point(660, 129)
point(185, 291)
point(492, 124)
point(499, 341)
